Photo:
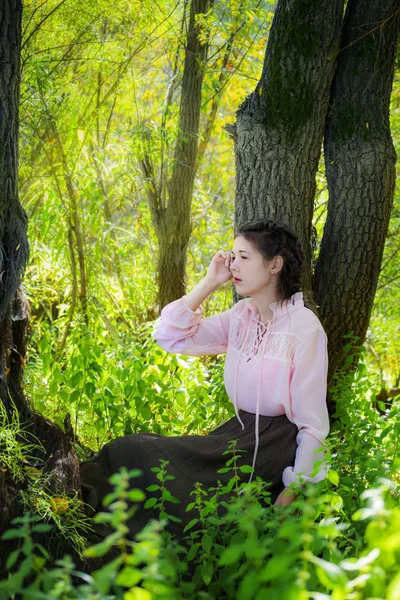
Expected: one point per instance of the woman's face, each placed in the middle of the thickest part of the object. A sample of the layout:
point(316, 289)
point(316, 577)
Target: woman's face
point(250, 270)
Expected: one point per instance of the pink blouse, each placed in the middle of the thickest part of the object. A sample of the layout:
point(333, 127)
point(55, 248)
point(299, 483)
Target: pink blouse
point(272, 369)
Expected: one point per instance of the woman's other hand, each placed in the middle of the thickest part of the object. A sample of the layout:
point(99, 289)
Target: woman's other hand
point(219, 271)
point(285, 498)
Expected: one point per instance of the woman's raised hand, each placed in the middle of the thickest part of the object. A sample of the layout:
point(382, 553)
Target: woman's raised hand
point(219, 271)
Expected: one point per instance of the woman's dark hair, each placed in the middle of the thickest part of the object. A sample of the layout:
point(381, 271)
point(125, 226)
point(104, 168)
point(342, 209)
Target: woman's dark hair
point(271, 239)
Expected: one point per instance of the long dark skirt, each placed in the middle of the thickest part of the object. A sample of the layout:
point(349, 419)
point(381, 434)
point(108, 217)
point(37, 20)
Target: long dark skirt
point(192, 458)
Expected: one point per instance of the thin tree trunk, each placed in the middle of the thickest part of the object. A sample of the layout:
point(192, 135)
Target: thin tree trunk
point(173, 222)
point(280, 126)
point(360, 169)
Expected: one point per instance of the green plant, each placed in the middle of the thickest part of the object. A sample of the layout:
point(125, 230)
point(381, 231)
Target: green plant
point(17, 445)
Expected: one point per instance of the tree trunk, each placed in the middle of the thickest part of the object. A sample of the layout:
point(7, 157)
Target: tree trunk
point(360, 169)
point(14, 249)
point(56, 457)
point(172, 222)
point(13, 222)
point(279, 128)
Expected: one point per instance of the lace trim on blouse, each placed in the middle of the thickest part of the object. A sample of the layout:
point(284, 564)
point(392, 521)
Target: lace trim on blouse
point(279, 345)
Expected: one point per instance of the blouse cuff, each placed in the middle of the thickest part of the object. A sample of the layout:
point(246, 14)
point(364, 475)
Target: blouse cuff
point(289, 476)
point(198, 311)
point(179, 315)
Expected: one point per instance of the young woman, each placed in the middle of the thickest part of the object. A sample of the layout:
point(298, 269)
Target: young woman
point(275, 375)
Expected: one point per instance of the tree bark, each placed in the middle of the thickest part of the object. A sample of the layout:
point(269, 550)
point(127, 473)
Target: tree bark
point(56, 458)
point(13, 222)
point(173, 222)
point(14, 249)
point(280, 126)
point(360, 169)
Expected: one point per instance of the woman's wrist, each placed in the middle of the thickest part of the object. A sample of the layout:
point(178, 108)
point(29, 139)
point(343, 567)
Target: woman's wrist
point(199, 293)
point(210, 284)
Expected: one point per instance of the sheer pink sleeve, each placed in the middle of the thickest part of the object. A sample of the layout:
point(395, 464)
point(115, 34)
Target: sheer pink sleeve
point(183, 331)
point(308, 409)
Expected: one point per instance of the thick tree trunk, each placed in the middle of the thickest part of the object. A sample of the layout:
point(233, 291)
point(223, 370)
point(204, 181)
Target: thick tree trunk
point(360, 168)
point(13, 222)
point(56, 457)
point(172, 220)
point(14, 248)
point(280, 126)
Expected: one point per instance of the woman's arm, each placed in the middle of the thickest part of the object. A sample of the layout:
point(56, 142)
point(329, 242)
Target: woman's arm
point(199, 293)
point(308, 408)
point(183, 329)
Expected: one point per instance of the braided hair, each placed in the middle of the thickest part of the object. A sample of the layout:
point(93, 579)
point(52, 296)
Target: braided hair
point(272, 239)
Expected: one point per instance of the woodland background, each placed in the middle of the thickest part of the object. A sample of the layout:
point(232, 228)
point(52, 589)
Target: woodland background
point(99, 91)
point(99, 108)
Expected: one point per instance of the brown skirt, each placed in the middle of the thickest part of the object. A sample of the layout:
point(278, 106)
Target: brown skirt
point(192, 458)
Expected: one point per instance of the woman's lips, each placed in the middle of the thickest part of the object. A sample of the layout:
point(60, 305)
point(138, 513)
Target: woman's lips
point(236, 280)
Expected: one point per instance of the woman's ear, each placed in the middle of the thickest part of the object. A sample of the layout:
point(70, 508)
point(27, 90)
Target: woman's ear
point(277, 264)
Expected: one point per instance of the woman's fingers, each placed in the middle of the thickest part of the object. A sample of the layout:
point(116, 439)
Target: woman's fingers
point(226, 257)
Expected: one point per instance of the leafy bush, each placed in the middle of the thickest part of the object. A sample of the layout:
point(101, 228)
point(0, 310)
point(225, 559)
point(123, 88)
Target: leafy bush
point(339, 539)
point(311, 549)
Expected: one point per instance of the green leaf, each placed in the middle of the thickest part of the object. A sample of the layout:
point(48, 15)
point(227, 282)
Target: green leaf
point(129, 577)
point(38, 562)
point(12, 534)
point(248, 587)
point(42, 527)
point(103, 547)
point(192, 552)
point(276, 567)
point(333, 477)
point(90, 389)
point(138, 594)
point(73, 397)
point(12, 559)
point(191, 524)
point(230, 555)
point(206, 542)
point(245, 469)
point(141, 385)
point(76, 378)
point(150, 503)
point(25, 567)
point(207, 571)
point(174, 519)
point(136, 495)
point(393, 591)
point(166, 494)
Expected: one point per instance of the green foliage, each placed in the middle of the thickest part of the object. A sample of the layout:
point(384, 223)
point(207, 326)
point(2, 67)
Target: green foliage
point(368, 440)
point(19, 451)
point(17, 446)
point(93, 89)
point(311, 549)
point(112, 389)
